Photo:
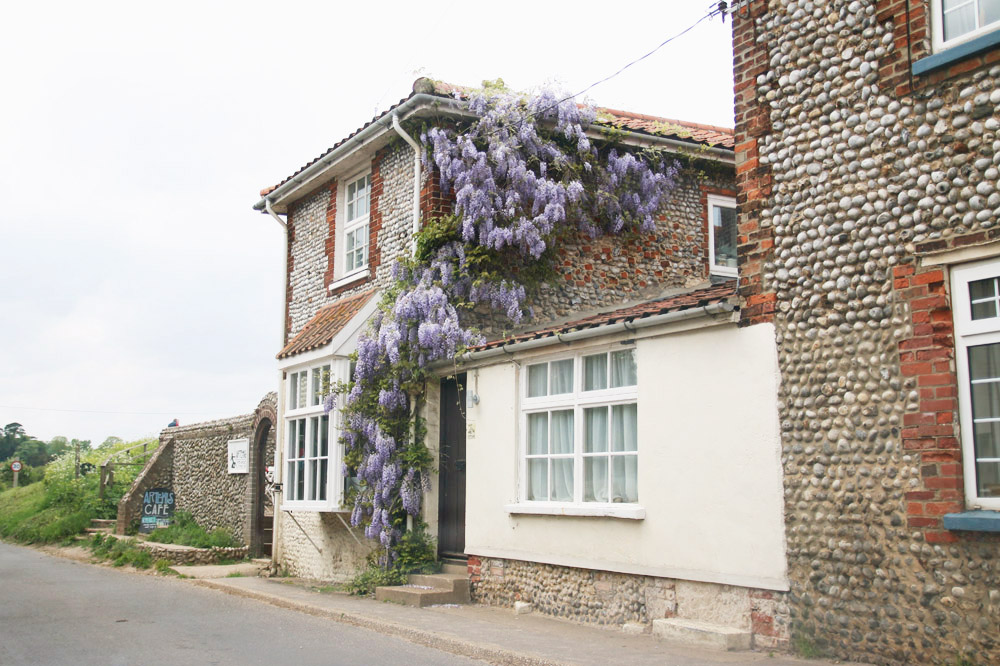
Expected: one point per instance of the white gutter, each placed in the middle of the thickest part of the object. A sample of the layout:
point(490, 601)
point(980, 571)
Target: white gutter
point(279, 429)
point(416, 181)
point(319, 168)
point(597, 331)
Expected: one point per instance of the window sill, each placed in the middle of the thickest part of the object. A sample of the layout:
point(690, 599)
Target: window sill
point(312, 507)
point(624, 511)
point(350, 279)
point(973, 521)
point(955, 53)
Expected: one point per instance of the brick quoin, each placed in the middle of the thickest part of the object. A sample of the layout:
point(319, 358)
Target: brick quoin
point(755, 242)
point(931, 431)
point(331, 237)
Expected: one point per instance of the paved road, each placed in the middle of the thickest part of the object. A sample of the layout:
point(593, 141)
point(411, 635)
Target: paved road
point(55, 611)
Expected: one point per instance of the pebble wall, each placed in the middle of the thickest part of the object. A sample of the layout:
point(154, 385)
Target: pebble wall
point(853, 176)
point(608, 598)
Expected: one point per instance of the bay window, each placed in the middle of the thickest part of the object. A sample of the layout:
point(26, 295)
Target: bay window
point(312, 455)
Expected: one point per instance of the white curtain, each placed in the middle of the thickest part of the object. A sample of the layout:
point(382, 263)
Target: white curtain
point(624, 469)
point(562, 443)
point(623, 368)
point(538, 444)
point(562, 377)
point(595, 372)
point(959, 21)
point(538, 380)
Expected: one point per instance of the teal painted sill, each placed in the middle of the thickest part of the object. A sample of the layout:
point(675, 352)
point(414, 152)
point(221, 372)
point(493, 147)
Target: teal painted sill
point(973, 521)
point(956, 53)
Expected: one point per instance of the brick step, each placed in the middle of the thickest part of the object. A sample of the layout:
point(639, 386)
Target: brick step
point(427, 590)
point(98, 530)
point(451, 567)
point(695, 633)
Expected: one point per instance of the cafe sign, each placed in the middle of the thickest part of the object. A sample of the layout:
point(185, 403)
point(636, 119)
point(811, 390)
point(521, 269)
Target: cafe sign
point(157, 509)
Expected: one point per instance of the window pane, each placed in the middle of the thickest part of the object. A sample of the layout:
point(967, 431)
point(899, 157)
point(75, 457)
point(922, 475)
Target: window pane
point(595, 430)
point(313, 437)
point(300, 439)
point(595, 372)
point(562, 479)
point(595, 479)
point(982, 297)
point(324, 436)
point(625, 479)
point(538, 472)
point(984, 361)
point(300, 479)
point(623, 428)
point(538, 380)
point(988, 479)
point(562, 431)
point(986, 400)
point(623, 368)
point(313, 480)
point(989, 11)
point(538, 434)
point(987, 439)
point(301, 387)
point(290, 485)
point(322, 479)
point(562, 376)
point(724, 232)
point(960, 20)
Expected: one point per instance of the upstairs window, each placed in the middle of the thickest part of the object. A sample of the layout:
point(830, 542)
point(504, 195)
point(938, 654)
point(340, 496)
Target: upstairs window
point(957, 21)
point(722, 235)
point(357, 203)
point(976, 309)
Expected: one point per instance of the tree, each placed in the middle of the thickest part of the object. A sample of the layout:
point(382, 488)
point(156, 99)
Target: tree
point(57, 446)
point(13, 435)
point(32, 452)
point(110, 443)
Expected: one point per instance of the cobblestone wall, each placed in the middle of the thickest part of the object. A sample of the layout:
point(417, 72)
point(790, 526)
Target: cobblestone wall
point(852, 177)
point(317, 545)
point(611, 270)
point(607, 598)
point(202, 483)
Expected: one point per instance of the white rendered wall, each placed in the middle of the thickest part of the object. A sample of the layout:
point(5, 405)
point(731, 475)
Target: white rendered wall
point(709, 467)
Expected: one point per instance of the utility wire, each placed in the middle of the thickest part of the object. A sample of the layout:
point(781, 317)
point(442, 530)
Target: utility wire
point(97, 411)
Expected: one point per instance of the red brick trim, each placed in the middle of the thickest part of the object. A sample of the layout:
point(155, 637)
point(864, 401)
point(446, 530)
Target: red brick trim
point(931, 434)
point(331, 234)
point(289, 266)
point(755, 243)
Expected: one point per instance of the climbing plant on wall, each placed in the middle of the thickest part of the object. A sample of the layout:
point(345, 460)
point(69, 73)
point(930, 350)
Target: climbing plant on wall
point(523, 174)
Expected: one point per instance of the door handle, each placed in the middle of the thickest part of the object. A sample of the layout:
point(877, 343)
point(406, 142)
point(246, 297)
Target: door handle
point(460, 465)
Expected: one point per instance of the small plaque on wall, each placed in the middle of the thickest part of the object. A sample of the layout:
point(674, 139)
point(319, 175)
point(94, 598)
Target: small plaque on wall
point(239, 456)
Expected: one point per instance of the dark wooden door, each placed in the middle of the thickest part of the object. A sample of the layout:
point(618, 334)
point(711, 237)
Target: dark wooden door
point(264, 502)
point(451, 473)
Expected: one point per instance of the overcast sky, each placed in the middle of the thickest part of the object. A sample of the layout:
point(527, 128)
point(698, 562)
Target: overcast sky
point(136, 283)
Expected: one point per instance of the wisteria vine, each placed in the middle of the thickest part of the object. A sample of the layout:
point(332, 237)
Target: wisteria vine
point(524, 174)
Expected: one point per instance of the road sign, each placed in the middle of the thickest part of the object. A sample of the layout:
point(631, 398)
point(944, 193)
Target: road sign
point(15, 466)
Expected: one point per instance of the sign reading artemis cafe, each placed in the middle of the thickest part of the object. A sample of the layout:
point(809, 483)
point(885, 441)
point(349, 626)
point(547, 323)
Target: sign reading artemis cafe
point(239, 456)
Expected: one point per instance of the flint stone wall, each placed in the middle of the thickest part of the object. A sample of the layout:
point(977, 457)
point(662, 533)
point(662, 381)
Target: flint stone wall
point(607, 598)
point(317, 545)
point(158, 473)
point(854, 177)
point(176, 554)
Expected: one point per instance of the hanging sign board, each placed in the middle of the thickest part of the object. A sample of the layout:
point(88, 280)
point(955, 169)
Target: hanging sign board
point(157, 509)
point(239, 456)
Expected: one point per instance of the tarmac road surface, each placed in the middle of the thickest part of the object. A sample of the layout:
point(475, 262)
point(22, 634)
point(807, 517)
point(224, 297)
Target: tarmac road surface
point(55, 611)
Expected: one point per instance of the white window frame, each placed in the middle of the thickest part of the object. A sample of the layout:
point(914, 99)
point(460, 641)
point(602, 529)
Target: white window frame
point(311, 414)
point(349, 226)
point(970, 333)
point(937, 28)
point(714, 201)
point(577, 400)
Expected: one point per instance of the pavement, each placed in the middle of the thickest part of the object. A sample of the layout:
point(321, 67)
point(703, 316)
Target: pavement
point(495, 635)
